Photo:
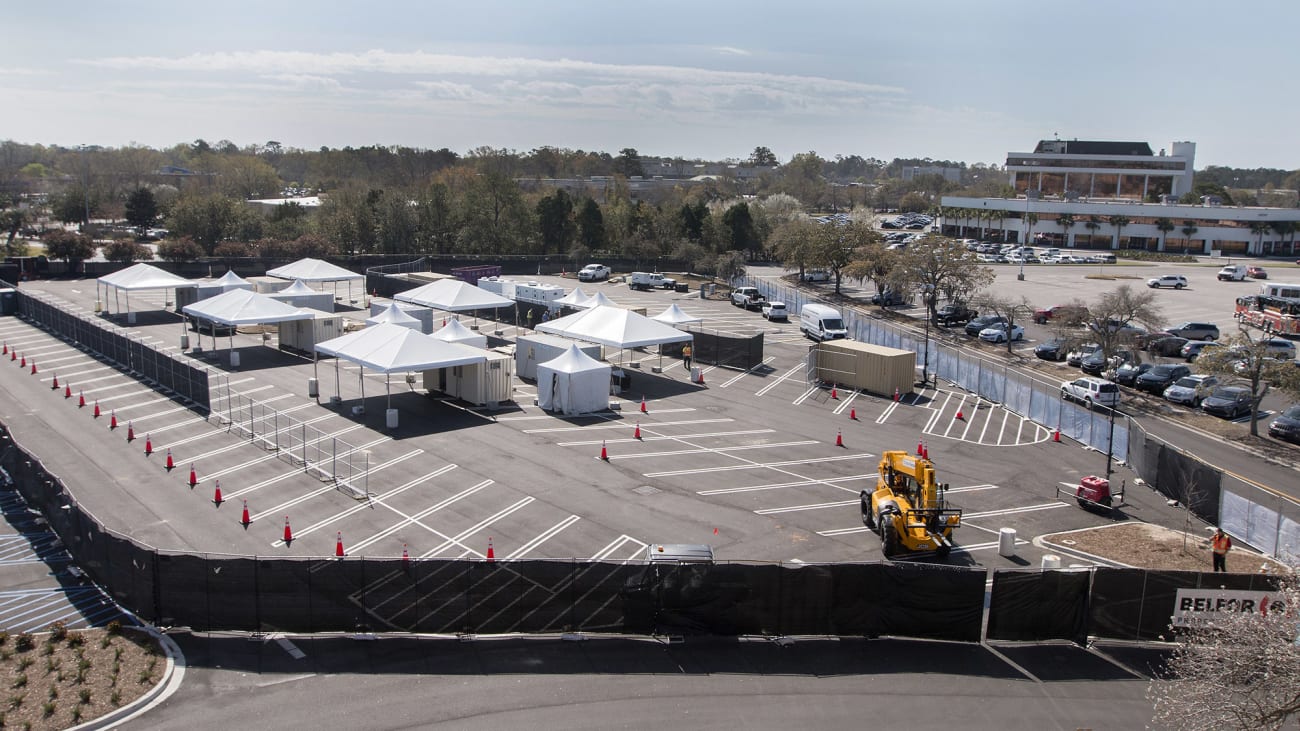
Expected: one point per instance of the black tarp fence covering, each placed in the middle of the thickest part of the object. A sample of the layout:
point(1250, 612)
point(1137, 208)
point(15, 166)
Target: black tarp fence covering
point(1137, 605)
point(1039, 605)
point(134, 357)
point(731, 350)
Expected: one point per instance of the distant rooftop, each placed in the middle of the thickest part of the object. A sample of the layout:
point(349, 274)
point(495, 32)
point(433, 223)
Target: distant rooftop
point(1090, 147)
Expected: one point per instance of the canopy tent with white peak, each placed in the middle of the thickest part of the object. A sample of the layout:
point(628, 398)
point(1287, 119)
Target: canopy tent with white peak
point(299, 294)
point(616, 327)
point(454, 332)
point(388, 348)
point(675, 316)
point(396, 316)
point(597, 300)
point(453, 295)
point(574, 299)
point(315, 270)
point(242, 307)
point(573, 383)
point(230, 280)
point(136, 278)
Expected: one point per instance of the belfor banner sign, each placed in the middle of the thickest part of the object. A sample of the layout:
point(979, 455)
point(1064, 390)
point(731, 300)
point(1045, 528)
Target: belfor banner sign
point(1194, 607)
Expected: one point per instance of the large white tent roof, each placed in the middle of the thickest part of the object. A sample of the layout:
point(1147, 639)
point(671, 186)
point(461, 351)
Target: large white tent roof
point(615, 327)
point(454, 332)
point(596, 300)
point(230, 279)
point(574, 298)
point(244, 307)
point(298, 287)
point(144, 276)
point(675, 315)
point(313, 270)
point(389, 348)
point(394, 314)
point(453, 295)
point(574, 360)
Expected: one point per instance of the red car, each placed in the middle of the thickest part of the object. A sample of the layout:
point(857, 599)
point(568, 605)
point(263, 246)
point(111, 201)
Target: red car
point(1256, 272)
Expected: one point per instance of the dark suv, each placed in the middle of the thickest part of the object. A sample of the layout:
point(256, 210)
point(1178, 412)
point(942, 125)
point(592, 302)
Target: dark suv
point(1196, 331)
point(954, 314)
point(986, 321)
point(1161, 377)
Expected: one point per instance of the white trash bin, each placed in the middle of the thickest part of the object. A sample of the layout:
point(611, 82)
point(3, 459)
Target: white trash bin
point(234, 359)
point(313, 387)
point(390, 418)
point(1007, 542)
point(1051, 561)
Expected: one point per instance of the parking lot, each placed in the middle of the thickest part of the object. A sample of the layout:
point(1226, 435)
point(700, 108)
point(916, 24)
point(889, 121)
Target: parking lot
point(747, 462)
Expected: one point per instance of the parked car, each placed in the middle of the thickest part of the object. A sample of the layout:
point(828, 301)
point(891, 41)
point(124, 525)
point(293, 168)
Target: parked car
point(1191, 390)
point(1169, 347)
point(1232, 273)
point(1053, 349)
point(998, 333)
point(1230, 402)
point(1256, 273)
point(954, 313)
point(1278, 349)
point(775, 311)
point(1196, 331)
point(1075, 357)
point(1161, 377)
point(1142, 342)
point(1127, 374)
point(816, 275)
point(1287, 425)
point(974, 327)
point(1089, 391)
point(748, 297)
point(593, 273)
point(1069, 314)
point(1193, 349)
point(646, 281)
point(1096, 362)
point(1175, 281)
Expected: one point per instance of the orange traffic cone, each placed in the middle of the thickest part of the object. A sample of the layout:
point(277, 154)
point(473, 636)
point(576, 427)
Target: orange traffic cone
point(491, 554)
point(896, 395)
point(604, 454)
point(834, 393)
point(216, 495)
point(67, 390)
point(81, 399)
point(288, 534)
point(637, 434)
point(112, 421)
point(170, 464)
point(919, 448)
point(130, 432)
point(959, 416)
point(6, 350)
point(1056, 436)
point(33, 367)
point(406, 558)
point(643, 405)
point(96, 409)
point(244, 520)
point(853, 414)
point(701, 378)
point(148, 445)
point(55, 385)
point(13, 355)
point(925, 451)
point(338, 546)
point(839, 439)
point(194, 479)
point(23, 362)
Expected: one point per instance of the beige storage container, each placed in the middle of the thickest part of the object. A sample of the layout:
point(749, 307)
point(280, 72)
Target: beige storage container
point(481, 384)
point(302, 335)
point(862, 366)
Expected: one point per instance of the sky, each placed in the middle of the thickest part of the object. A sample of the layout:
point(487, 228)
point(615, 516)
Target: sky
point(945, 79)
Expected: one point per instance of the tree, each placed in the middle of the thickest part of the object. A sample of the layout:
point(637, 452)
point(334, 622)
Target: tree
point(205, 218)
point(1259, 228)
point(141, 209)
point(74, 205)
point(126, 251)
point(836, 245)
point(1164, 226)
point(876, 263)
point(1066, 222)
point(182, 249)
point(1110, 317)
point(940, 266)
point(729, 265)
point(70, 247)
point(555, 221)
point(1030, 220)
point(591, 226)
point(740, 224)
point(1119, 222)
point(913, 203)
point(792, 244)
point(1237, 670)
point(628, 163)
point(762, 156)
point(1092, 224)
point(1189, 228)
point(1247, 358)
point(1011, 308)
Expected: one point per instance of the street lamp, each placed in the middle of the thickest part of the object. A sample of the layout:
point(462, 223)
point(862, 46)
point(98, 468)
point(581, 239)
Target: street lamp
point(1021, 276)
point(1110, 444)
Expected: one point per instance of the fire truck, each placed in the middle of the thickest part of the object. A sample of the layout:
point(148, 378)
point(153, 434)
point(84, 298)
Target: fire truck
point(1276, 309)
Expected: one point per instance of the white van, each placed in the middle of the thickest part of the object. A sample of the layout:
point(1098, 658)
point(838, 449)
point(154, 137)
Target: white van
point(820, 322)
point(650, 280)
point(1233, 273)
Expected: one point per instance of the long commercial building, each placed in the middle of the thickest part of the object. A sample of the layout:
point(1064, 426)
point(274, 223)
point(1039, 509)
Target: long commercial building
point(1095, 195)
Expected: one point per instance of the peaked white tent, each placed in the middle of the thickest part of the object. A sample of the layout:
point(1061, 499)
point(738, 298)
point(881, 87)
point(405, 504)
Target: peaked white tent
point(454, 332)
point(299, 294)
point(573, 383)
point(675, 316)
point(616, 327)
point(597, 300)
point(139, 277)
point(388, 348)
point(230, 280)
point(453, 295)
point(574, 298)
point(394, 315)
point(242, 307)
point(315, 270)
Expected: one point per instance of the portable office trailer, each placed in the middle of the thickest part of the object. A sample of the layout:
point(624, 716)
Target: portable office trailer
point(419, 312)
point(481, 384)
point(538, 294)
point(302, 335)
point(268, 285)
point(499, 286)
point(540, 347)
point(872, 368)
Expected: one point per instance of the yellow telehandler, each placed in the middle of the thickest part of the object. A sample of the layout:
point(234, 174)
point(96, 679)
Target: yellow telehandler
point(908, 508)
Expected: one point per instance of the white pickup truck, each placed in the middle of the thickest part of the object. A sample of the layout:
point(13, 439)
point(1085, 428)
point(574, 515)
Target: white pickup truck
point(593, 273)
point(650, 280)
point(748, 297)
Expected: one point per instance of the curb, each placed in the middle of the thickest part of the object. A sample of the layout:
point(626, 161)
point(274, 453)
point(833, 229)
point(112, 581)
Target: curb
point(171, 680)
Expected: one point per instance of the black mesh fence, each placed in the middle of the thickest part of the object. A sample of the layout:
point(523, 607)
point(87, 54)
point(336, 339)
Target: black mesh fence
point(722, 349)
point(1039, 605)
point(129, 355)
point(1138, 605)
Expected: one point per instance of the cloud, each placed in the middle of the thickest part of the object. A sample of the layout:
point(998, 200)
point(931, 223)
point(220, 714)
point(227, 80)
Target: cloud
point(731, 51)
point(306, 82)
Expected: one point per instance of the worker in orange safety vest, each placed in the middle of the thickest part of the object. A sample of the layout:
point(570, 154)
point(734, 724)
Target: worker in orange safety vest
point(1221, 544)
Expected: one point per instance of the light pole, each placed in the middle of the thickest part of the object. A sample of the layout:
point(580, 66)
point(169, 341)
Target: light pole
point(1110, 443)
point(1021, 276)
point(85, 187)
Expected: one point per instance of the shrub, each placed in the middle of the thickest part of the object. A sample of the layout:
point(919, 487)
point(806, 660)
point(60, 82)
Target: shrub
point(24, 642)
point(20, 681)
point(115, 627)
point(58, 632)
point(47, 709)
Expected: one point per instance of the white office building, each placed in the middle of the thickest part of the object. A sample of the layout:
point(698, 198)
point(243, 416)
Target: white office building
point(1099, 195)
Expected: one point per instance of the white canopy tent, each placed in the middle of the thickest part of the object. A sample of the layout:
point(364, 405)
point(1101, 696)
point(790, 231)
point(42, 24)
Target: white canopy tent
point(315, 270)
point(388, 348)
point(139, 277)
point(394, 315)
point(454, 332)
point(453, 295)
point(675, 316)
point(299, 294)
point(597, 300)
point(615, 326)
point(242, 307)
point(574, 298)
point(230, 280)
point(573, 383)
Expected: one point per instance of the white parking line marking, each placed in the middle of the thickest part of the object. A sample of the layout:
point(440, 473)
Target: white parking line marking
point(781, 485)
point(406, 519)
point(591, 442)
point(797, 508)
point(617, 543)
point(545, 536)
point(712, 450)
point(804, 396)
point(458, 539)
point(889, 410)
point(840, 409)
point(287, 475)
point(328, 488)
point(264, 458)
point(758, 465)
point(1013, 511)
point(762, 391)
point(623, 425)
point(750, 371)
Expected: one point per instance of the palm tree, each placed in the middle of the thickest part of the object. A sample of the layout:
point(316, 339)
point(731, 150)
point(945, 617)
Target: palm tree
point(1281, 228)
point(1119, 222)
point(1165, 226)
point(1092, 224)
point(1259, 227)
point(1030, 220)
point(1066, 222)
point(1189, 228)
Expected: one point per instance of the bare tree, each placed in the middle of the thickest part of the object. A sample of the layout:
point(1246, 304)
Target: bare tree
point(1112, 318)
point(940, 265)
point(1249, 359)
point(1238, 670)
point(1012, 309)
